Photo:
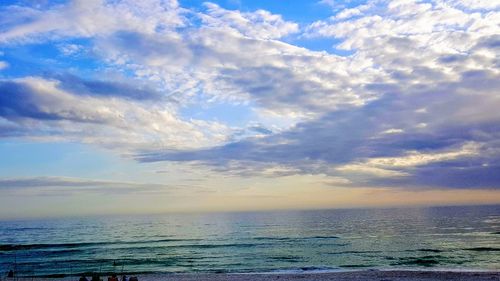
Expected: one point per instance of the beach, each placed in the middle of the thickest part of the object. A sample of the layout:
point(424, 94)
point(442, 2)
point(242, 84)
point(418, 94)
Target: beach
point(334, 276)
point(369, 275)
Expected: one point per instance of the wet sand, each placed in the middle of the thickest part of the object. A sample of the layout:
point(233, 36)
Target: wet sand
point(331, 276)
point(336, 276)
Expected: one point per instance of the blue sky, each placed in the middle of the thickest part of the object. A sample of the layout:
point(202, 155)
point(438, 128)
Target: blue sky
point(188, 99)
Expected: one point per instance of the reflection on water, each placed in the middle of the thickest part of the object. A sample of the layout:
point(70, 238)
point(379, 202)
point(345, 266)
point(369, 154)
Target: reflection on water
point(444, 237)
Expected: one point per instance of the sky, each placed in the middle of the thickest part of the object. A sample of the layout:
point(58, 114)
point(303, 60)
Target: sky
point(124, 107)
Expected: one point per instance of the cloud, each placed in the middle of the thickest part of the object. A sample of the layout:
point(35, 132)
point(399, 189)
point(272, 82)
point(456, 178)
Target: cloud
point(63, 186)
point(352, 143)
point(88, 18)
point(336, 5)
point(392, 166)
point(43, 109)
point(229, 56)
point(137, 90)
point(70, 49)
point(209, 65)
point(3, 65)
point(475, 4)
point(417, 96)
point(260, 24)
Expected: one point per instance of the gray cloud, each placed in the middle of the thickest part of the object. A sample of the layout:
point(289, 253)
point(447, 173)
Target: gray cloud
point(428, 119)
point(37, 107)
point(67, 186)
point(121, 89)
point(19, 99)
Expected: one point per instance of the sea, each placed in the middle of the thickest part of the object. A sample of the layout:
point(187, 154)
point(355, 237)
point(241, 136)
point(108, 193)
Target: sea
point(433, 238)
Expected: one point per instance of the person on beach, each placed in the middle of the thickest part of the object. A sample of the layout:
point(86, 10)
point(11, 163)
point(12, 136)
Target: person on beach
point(83, 278)
point(10, 274)
point(95, 277)
point(113, 278)
point(124, 278)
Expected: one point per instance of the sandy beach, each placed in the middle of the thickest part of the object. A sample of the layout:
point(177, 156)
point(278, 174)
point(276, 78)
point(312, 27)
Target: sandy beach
point(335, 276)
point(374, 275)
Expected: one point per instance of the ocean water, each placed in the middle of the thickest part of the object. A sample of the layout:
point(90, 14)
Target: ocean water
point(285, 241)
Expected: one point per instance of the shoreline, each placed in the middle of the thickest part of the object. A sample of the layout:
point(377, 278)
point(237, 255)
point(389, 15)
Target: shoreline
point(364, 275)
point(318, 275)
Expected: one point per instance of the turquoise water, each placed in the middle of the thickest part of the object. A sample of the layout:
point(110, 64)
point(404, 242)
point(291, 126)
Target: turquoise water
point(441, 237)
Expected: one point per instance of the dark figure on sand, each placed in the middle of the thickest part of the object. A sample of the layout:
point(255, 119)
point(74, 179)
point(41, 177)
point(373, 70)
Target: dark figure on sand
point(83, 278)
point(10, 274)
point(113, 278)
point(95, 277)
point(124, 278)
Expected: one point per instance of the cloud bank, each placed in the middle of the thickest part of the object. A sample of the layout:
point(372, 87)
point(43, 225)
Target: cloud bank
point(64, 186)
point(414, 104)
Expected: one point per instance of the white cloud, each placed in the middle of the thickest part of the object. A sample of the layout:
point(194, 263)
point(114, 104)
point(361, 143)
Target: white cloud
point(415, 158)
point(391, 166)
point(433, 27)
point(356, 169)
point(260, 24)
point(474, 4)
point(393, 131)
point(88, 18)
point(3, 65)
point(70, 49)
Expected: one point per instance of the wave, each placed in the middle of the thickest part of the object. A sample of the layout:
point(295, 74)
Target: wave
point(426, 261)
point(104, 262)
point(22, 229)
point(69, 248)
point(17, 247)
point(355, 252)
point(428, 250)
point(483, 249)
point(286, 258)
point(42, 246)
point(299, 270)
point(275, 238)
point(295, 238)
point(356, 266)
point(211, 246)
